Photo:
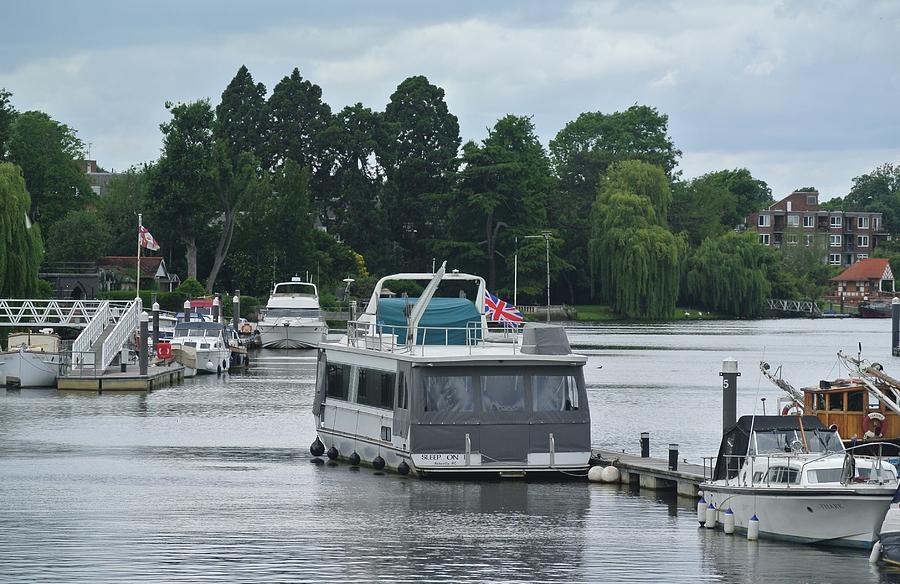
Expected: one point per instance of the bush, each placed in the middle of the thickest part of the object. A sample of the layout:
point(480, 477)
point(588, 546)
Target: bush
point(191, 288)
point(168, 301)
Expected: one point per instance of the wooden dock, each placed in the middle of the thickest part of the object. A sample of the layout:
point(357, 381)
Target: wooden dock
point(130, 380)
point(652, 473)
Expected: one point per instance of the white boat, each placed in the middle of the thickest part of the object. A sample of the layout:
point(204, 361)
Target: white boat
point(292, 318)
point(423, 386)
point(31, 359)
point(202, 347)
point(795, 477)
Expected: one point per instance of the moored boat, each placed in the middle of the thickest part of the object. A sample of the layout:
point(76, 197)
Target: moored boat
point(423, 386)
point(202, 347)
point(794, 476)
point(31, 359)
point(877, 308)
point(292, 318)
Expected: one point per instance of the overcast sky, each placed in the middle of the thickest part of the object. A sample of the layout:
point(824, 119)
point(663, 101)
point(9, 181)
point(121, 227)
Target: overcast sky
point(801, 93)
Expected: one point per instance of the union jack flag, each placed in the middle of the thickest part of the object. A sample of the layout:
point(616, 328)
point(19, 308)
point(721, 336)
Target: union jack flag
point(498, 310)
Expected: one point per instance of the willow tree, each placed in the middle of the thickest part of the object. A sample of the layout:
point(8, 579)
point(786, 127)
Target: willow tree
point(21, 249)
point(635, 260)
point(730, 274)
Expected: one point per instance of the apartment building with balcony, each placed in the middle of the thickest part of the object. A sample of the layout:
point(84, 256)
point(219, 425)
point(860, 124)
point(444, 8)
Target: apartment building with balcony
point(844, 237)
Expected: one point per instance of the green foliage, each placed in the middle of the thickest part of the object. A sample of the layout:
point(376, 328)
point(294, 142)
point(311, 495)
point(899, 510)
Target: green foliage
point(878, 192)
point(168, 301)
point(635, 260)
point(242, 117)
point(80, 236)
point(730, 274)
point(127, 195)
point(7, 116)
point(21, 248)
point(46, 151)
point(191, 288)
point(298, 123)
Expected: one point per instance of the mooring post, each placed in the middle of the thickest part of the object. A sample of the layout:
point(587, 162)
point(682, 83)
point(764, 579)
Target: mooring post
point(155, 309)
point(142, 362)
point(729, 376)
point(645, 444)
point(187, 311)
point(215, 309)
point(673, 457)
point(842, 303)
point(236, 310)
point(895, 324)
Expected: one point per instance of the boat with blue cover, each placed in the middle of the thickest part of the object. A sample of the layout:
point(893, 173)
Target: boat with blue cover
point(425, 386)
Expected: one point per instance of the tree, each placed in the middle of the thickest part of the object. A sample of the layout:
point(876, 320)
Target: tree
point(180, 184)
point(505, 181)
point(241, 122)
point(298, 122)
point(878, 192)
point(80, 236)
point(730, 274)
point(635, 260)
point(419, 157)
point(354, 207)
point(582, 152)
point(127, 195)
point(7, 116)
point(21, 249)
point(47, 151)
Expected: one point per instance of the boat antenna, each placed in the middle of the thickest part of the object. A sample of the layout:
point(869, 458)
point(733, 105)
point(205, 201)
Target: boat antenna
point(763, 400)
point(859, 353)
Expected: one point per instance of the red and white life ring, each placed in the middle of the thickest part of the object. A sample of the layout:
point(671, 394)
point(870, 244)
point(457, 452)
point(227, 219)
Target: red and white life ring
point(791, 410)
point(246, 328)
point(867, 422)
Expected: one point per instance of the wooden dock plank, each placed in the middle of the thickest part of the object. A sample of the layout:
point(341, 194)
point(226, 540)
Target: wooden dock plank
point(653, 473)
point(117, 380)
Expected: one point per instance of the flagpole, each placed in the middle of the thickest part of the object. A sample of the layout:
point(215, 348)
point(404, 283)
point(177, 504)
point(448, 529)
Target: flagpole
point(138, 275)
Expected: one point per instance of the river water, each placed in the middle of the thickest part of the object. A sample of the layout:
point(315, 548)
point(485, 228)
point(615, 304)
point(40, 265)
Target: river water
point(212, 481)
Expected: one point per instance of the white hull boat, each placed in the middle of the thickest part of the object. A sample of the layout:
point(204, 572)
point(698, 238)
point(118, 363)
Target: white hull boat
point(201, 347)
point(32, 360)
point(793, 475)
point(418, 386)
point(292, 318)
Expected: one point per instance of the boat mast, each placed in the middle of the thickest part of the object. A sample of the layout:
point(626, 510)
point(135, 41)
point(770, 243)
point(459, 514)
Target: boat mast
point(795, 394)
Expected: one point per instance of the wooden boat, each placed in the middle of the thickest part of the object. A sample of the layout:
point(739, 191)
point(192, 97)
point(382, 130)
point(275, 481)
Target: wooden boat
point(862, 408)
point(878, 308)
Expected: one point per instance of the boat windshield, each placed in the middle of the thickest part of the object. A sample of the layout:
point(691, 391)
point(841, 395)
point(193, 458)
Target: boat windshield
point(812, 441)
point(295, 289)
point(292, 313)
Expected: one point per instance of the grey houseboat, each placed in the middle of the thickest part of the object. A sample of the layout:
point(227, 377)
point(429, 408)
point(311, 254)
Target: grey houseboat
point(425, 386)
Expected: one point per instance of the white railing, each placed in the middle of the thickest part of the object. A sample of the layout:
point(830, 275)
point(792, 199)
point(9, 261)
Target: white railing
point(124, 329)
point(93, 330)
point(33, 312)
point(385, 337)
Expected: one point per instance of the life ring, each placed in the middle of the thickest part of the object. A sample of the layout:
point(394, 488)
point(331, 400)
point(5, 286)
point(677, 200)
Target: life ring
point(791, 410)
point(867, 423)
point(246, 328)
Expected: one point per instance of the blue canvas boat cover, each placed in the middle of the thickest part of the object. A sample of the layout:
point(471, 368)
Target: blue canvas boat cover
point(441, 314)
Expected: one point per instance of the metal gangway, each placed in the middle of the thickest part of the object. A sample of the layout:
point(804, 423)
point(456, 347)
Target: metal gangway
point(107, 326)
point(803, 306)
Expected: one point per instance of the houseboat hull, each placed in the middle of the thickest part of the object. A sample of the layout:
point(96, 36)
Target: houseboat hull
point(874, 311)
point(292, 336)
point(834, 517)
point(25, 368)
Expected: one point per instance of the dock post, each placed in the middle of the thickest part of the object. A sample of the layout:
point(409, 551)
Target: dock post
point(895, 324)
point(645, 444)
point(215, 309)
point(729, 375)
point(673, 457)
point(143, 341)
point(187, 311)
point(236, 310)
point(155, 310)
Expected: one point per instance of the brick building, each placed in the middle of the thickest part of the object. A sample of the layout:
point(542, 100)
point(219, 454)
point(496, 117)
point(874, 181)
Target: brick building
point(844, 236)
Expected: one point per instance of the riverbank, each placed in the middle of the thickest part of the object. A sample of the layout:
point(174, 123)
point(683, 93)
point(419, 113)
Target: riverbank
point(603, 313)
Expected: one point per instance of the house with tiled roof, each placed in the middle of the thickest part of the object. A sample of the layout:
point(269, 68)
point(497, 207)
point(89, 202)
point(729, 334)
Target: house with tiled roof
point(868, 278)
point(118, 273)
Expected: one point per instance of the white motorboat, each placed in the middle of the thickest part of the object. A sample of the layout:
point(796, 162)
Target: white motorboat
point(423, 386)
point(31, 359)
point(292, 318)
point(795, 477)
point(202, 347)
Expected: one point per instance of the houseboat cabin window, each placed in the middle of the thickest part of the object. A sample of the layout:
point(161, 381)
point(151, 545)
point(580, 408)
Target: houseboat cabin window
point(375, 388)
point(403, 398)
point(855, 401)
point(338, 381)
point(449, 394)
point(502, 393)
point(557, 393)
point(835, 402)
point(780, 474)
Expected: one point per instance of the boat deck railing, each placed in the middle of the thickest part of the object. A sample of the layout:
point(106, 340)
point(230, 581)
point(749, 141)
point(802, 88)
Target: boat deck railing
point(792, 460)
point(397, 339)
